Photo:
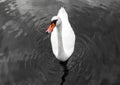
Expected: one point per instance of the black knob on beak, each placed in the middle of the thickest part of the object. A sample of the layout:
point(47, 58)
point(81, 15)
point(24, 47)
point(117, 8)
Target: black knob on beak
point(47, 33)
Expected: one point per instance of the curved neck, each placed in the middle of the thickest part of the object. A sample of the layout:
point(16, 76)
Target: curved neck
point(61, 52)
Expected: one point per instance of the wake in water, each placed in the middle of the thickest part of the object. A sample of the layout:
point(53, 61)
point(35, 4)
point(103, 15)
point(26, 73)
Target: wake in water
point(65, 70)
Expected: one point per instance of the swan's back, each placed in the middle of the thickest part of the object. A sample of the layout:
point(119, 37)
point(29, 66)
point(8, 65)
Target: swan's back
point(68, 34)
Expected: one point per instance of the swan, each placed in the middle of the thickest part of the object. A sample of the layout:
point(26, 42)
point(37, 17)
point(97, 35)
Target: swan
point(62, 35)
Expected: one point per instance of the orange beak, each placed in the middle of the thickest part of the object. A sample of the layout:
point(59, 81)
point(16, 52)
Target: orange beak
point(51, 27)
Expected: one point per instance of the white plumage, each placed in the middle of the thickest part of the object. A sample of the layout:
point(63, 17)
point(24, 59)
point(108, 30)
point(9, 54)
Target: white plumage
point(62, 37)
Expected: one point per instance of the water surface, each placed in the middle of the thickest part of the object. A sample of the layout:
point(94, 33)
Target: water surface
point(26, 57)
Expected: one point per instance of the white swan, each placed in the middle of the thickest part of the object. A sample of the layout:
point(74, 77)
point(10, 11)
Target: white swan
point(62, 36)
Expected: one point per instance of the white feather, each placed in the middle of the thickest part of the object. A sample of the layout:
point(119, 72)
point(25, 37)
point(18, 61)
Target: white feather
point(68, 36)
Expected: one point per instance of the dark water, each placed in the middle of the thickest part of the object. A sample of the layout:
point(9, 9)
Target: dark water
point(26, 57)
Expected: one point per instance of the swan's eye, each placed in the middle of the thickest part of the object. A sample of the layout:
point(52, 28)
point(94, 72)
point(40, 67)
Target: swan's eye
point(54, 21)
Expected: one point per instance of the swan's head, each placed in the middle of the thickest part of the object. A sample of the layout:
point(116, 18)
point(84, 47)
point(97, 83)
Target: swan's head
point(55, 22)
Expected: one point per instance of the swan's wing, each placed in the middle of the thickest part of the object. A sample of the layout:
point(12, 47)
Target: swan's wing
point(62, 12)
point(68, 35)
